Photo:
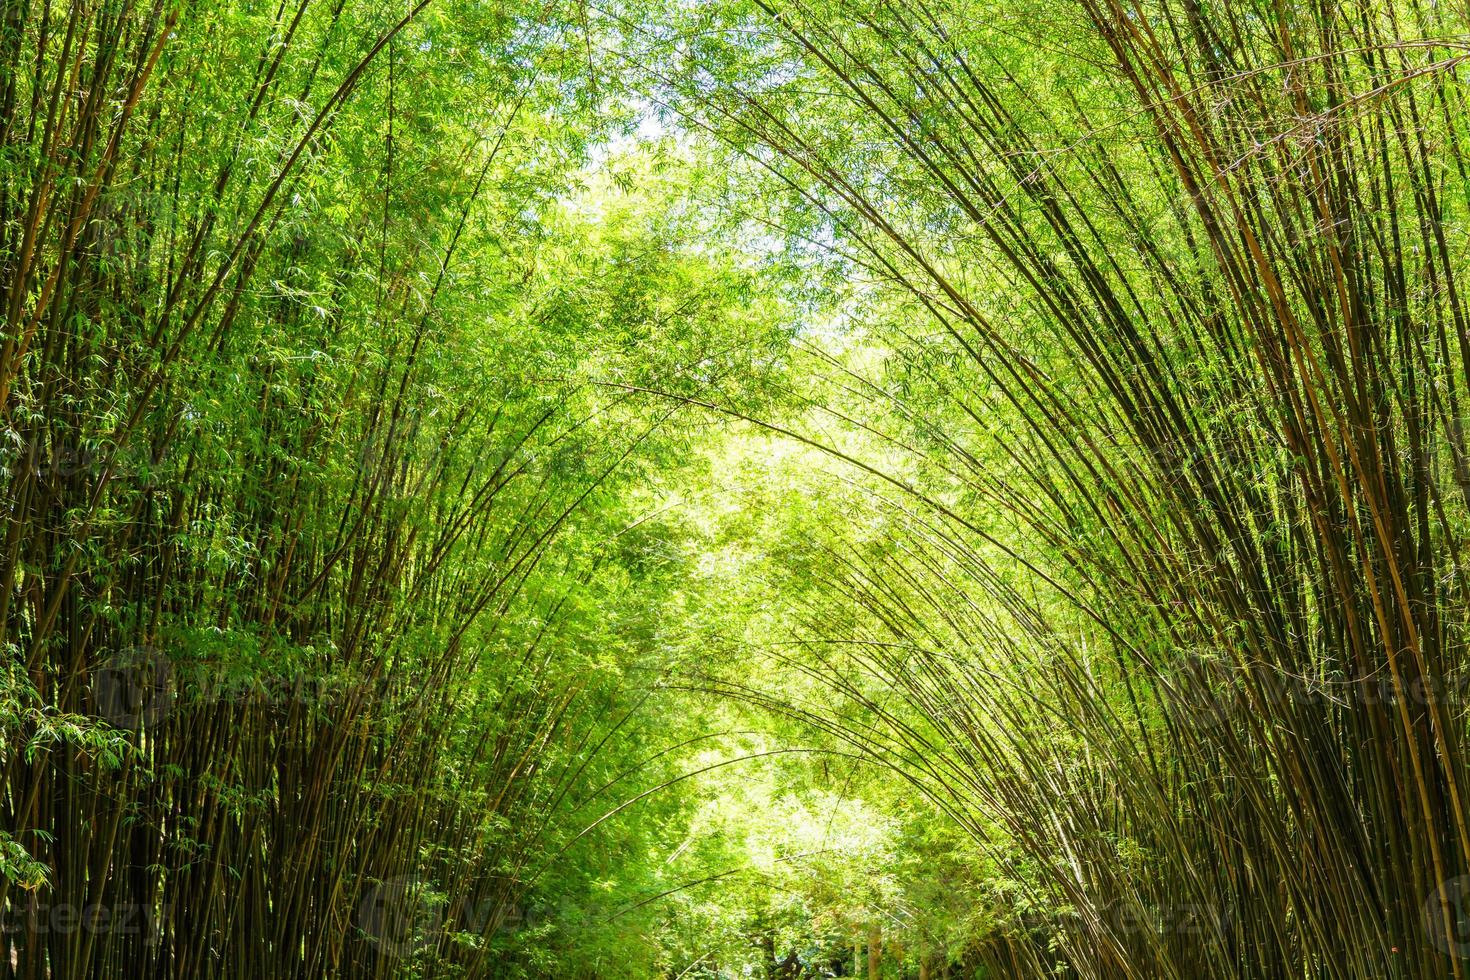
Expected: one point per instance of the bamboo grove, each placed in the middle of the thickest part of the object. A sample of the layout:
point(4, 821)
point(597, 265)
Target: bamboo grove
point(274, 604)
point(478, 475)
point(1231, 442)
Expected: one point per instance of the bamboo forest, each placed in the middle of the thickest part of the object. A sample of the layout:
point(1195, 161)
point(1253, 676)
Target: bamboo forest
point(735, 489)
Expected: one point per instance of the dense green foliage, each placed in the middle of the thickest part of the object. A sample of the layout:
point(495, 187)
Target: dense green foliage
point(760, 488)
